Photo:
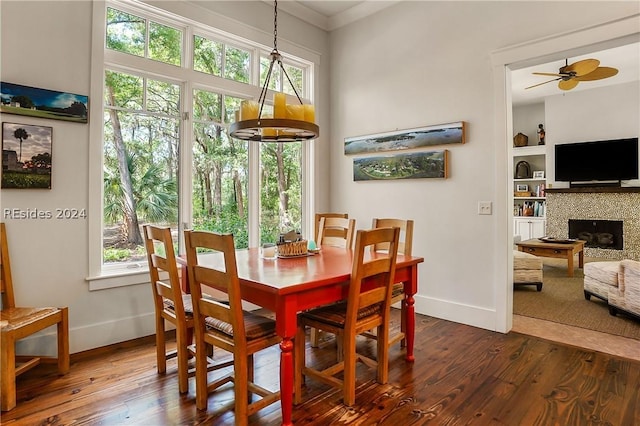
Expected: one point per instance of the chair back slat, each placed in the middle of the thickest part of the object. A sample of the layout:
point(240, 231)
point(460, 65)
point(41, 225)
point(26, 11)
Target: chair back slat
point(329, 232)
point(6, 282)
point(336, 231)
point(405, 244)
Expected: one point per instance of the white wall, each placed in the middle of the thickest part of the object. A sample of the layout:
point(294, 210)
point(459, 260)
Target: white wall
point(421, 63)
point(611, 112)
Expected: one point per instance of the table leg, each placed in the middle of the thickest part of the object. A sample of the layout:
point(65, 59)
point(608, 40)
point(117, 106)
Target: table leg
point(286, 380)
point(581, 258)
point(570, 263)
point(411, 326)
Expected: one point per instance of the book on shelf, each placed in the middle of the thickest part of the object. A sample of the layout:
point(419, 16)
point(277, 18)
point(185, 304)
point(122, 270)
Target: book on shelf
point(530, 208)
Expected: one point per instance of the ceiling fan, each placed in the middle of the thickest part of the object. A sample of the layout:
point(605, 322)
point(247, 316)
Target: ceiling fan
point(571, 75)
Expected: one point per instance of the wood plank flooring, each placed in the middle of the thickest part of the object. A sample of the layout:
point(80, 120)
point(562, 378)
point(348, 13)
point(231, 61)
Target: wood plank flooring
point(462, 375)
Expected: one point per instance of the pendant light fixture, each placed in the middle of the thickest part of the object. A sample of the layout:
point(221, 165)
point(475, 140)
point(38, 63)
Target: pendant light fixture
point(290, 123)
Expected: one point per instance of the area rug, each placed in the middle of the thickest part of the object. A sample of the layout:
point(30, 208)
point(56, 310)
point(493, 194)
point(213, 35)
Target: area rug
point(562, 300)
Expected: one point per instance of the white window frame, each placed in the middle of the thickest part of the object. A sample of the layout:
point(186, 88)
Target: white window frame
point(102, 276)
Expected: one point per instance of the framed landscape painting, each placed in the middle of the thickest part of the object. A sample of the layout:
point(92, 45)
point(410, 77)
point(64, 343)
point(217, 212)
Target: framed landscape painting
point(407, 139)
point(26, 156)
point(43, 103)
point(417, 165)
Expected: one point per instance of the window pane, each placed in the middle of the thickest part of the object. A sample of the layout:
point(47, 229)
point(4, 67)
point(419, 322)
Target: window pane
point(128, 90)
point(207, 56)
point(236, 65)
point(125, 32)
point(295, 74)
point(274, 82)
point(231, 105)
point(163, 97)
point(165, 43)
point(219, 198)
point(207, 106)
point(140, 175)
point(281, 189)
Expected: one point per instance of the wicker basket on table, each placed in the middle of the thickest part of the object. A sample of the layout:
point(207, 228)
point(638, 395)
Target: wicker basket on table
point(292, 248)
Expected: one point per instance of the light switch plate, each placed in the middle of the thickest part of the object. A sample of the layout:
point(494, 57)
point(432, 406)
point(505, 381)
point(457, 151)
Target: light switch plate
point(484, 207)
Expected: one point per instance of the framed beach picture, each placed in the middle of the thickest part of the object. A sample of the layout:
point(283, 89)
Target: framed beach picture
point(43, 103)
point(26, 156)
point(440, 134)
point(416, 165)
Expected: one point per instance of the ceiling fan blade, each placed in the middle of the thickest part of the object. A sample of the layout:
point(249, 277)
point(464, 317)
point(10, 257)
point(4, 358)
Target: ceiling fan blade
point(540, 84)
point(568, 84)
point(552, 74)
point(598, 74)
point(581, 67)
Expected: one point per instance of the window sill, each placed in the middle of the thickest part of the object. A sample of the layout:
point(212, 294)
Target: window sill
point(133, 274)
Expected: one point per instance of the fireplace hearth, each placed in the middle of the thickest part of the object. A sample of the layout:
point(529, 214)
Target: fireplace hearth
point(605, 234)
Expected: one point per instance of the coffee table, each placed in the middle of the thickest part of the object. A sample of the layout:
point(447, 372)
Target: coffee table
point(558, 250)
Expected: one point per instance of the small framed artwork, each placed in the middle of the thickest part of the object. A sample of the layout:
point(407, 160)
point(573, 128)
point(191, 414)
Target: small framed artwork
point(522, 187)
point(26, 156)
point(43, 103)
point(538, 174)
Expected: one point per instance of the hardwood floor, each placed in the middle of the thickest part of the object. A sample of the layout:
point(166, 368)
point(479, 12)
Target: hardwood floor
point(462, 375)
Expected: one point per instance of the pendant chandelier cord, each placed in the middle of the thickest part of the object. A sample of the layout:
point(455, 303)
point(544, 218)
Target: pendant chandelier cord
point(275, 57)
point(275, 25)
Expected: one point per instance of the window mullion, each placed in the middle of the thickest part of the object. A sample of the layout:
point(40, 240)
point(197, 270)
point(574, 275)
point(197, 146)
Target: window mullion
point(185, 150)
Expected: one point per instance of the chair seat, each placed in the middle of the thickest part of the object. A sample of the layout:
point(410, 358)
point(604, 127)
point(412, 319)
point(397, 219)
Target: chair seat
point(336, 313)
point(13, 318)
point(256, 326)
point(186, 301)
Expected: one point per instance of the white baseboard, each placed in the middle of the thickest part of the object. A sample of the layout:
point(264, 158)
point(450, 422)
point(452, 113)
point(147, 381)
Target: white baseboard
point(91, 336)
point(475, 316)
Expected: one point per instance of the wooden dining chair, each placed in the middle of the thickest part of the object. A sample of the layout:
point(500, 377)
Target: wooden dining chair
point(367, 306)
point(336, 231)
point(405, 247)
point(19, 322)
point(171, 304)
point(226, 326)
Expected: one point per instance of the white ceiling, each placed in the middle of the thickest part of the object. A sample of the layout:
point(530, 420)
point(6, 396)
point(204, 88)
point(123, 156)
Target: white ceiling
point(332, 14)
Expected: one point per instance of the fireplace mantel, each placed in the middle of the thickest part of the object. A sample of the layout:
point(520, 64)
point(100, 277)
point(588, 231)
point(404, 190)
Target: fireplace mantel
point(595, 189)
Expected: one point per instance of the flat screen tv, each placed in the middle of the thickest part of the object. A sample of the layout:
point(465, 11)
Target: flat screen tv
point(606, 160)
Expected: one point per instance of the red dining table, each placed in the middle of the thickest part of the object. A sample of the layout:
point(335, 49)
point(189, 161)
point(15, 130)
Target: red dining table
point(288, 286)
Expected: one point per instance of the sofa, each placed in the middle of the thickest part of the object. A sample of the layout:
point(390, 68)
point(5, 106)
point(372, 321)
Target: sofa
point(618, 283)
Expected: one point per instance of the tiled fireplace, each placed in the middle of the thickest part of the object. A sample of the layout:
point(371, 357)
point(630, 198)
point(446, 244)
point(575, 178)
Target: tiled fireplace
point(609, 218)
